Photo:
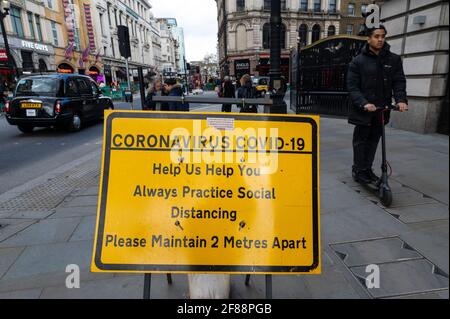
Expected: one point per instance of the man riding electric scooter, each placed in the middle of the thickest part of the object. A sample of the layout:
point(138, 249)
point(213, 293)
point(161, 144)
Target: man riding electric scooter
point(374, 77)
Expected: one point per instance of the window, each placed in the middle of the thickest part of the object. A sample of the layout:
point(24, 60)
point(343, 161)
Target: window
point(112, 47)
point(317, 5)
point(304, 5)
point(38, 27)
point(303, 34)
point(101, 23)
point(316, 33)
point(109, 14)
point(240, 5)
point(349, 29)
point(31, 25)
point(332, 6)
point(331, 30)
point(72, 88)
point(16, 21)
point(364, 8)
point(50, 4)
point(362, 29)
point(241, 37)
point(94, 88)
point(83, 87)
point(55, 34)
point(27, 61)
point(76, 36)
point(351, 9)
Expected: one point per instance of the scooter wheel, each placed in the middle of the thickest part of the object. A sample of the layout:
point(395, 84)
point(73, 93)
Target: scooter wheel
point(386, 198)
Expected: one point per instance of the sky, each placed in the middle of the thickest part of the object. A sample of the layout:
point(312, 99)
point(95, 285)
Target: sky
point(198, 18)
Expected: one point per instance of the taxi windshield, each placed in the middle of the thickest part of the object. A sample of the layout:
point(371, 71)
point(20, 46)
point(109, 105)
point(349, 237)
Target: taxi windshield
point(38, 86)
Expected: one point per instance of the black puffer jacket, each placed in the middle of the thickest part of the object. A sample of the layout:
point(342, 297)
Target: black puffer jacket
point(374, 79)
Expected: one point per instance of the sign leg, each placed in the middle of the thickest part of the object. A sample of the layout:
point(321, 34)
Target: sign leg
point(247, 280)
point(147, 285)
point(268, 286)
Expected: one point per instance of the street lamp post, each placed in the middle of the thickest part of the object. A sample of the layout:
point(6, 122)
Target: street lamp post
point(4, 11)
point(276, 82)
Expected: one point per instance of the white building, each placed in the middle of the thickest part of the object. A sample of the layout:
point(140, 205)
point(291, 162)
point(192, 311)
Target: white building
point(169, 47)
point(244, 31)
point(136, 15)
point(178, 35)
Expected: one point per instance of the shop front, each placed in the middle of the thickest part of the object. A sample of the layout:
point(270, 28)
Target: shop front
point(65, 68)
point(31, 57)
point(95, 74)
point(263, 67)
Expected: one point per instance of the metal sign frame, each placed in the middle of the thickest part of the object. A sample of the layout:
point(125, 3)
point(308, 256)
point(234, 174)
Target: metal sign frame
point(206, 268)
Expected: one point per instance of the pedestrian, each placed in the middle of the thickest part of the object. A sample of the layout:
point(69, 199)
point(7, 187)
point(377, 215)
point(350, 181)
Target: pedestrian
point(247, 91)
point(155, 89)
point(175, 89)
point(227, 91)
point(374, 77)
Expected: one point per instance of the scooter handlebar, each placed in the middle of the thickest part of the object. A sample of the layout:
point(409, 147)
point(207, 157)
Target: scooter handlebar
point(392, 107)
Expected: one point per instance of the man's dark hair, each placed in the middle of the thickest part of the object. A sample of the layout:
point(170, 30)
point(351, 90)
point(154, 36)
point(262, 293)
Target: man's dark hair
point(369, 32)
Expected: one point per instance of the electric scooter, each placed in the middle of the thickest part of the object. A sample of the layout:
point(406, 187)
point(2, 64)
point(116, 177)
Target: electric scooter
point(381, 187)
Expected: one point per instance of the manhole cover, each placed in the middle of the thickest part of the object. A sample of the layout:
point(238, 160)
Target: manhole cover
point(402, 269)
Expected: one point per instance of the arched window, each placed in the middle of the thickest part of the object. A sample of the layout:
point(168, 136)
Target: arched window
point(241, 38)
point(266, 36)
point(303, 34)
point(331, 30)
point(315, 33)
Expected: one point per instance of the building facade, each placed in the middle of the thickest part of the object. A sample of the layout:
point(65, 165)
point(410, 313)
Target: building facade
point(137, 16)
point(33, 37)
point(352, 21)
point(178, 36)
point(80, 36)
point(244, 31)
point(419, 32)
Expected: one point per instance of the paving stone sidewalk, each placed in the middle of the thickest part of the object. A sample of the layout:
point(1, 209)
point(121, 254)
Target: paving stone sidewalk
point(52, 225)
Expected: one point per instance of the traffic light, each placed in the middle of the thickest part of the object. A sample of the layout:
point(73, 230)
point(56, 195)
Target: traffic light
point(124, 41)
point(188, 66)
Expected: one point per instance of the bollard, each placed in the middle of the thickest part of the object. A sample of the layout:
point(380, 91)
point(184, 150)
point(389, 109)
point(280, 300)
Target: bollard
point(209, 286)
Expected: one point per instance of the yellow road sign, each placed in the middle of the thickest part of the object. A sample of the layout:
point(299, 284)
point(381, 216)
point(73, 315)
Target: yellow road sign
point(208, 192)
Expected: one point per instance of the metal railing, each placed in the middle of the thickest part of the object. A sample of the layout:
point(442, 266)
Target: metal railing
point(327, 103)
point(267, 102)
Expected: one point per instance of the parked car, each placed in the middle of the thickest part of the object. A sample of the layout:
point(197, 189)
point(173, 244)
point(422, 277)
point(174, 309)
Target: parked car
point(60, 100)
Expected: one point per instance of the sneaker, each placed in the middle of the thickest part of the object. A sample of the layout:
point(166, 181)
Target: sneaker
point(372, 175)
point(362, 176)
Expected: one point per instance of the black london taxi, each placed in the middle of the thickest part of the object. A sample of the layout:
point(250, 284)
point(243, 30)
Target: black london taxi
point(60, 100)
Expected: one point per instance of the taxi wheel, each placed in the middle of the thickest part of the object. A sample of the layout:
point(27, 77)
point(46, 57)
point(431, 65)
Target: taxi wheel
point(25, 128)
point(75, 123)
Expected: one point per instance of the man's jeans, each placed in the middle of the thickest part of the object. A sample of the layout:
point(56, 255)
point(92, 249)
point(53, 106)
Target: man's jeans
point(365, 143)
